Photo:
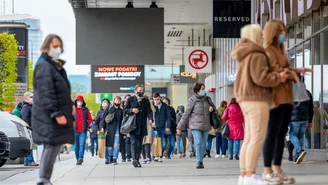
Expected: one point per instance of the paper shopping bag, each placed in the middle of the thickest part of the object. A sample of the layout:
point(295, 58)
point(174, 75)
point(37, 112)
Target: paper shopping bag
point(157, 147)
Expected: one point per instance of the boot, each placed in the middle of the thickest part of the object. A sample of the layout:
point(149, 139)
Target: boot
point(115, 162)
point(111, 160)
point(290, 157)
point(208, 153)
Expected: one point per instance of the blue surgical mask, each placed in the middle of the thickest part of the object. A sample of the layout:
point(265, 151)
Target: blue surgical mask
point(281, 39)
point(104, 105)
point(202, 93)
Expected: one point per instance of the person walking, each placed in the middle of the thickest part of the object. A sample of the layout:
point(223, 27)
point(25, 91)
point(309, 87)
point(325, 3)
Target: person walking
point(140, 106)
point(221, 142)
point(235, 120)
point(83, 120)
point(125, 141)
point(93, 130)
point(274, 34)
point(112, 126)
point(52, 111)
point(199, 107)
point(147, 141)
point(170, 135)
point(18, 110)
point(253, 90)
point(183, 135)
point(318, 113)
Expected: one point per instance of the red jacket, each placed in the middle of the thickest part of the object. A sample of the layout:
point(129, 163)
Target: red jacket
point(79, 115)
point(235, 119)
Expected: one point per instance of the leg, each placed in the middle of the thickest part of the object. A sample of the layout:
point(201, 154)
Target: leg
point(205, 136)
point(317, 138)
point(172, 143)
point(308, 138)
point(147, 150)
point(302, 132)
point(218, 142)
point(92, 147)
point(77, 144)
point(128, 148)
point(139, 147)
point(96, 141)
point(122, 147)
point(198, 145)
point(116, 146)
point(178, 143)
point(230, 148)
point(184, 141)
point(293, 135)
point(48, 159)
point(83, 137)
point(224, 145)
point(236, 147)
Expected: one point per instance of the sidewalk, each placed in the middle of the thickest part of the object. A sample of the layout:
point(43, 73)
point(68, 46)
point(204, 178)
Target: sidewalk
point(172, 172)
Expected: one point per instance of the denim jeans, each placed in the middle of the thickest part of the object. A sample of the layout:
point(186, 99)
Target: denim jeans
point(80, 138)
point(209, 142)
point(234, 146)
point(296, 134)
point(161, 134)
point(94, 141)
point(221, 143)
point(200, 138)
point(317, 138)
point(113, 151)
point(29, 159)
point(171, 139)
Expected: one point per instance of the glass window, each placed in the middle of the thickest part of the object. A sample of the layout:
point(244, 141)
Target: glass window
point(291, 57)
point(307, 26)
point(325, 16)
point(299, 56)
point(316, 21)
point(316, 51)
point(324, 138)
point(291, 37)
point(299, 31)
point(308, 85)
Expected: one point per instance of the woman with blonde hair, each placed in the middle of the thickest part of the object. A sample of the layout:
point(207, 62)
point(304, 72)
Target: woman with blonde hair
point(274, 37)
point(253, 90)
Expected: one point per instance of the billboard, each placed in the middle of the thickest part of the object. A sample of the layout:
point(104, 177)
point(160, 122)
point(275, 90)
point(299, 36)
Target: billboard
point(119, 36)
point(116, 79)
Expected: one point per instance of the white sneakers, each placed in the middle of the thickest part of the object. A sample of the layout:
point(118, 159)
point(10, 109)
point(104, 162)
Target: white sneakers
point(253, 180)
point(223, 156)
point(217, 156)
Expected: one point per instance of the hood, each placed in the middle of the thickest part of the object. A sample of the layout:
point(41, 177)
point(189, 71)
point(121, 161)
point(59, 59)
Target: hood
point(234, 109)
point(245, 47)
point(80, 98)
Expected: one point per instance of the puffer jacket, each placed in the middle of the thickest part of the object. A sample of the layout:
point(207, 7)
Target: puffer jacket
point(303, 111)
point(235, 119)
point(183, 127)
point(197, 112)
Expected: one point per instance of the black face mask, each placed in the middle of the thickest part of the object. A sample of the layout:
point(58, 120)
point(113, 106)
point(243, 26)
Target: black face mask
point(140, 94)
point(117, 104)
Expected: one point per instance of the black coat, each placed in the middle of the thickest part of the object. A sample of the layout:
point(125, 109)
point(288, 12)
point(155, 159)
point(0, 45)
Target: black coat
point(144, 113)
point(304, 111)
point(99, 117)
point(173, 120)
point(27, 113)
point(52, 98)
point(110, 128)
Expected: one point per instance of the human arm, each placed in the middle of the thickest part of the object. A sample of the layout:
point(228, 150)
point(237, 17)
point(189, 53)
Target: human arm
point(149, 112)
point(89, 118)
point(186, 115)
point(168, 116)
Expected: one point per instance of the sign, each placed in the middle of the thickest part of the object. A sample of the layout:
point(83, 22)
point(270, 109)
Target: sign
point(161, 90)
point(21, 89)
point(198, 59)
point(175, 79)
point(116, 79)
point(187, 77)
point(229, 16)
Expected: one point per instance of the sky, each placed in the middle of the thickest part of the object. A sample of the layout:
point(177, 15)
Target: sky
point(56, 17)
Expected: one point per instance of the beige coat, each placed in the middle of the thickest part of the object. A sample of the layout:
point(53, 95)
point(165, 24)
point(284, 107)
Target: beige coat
point(149, 138)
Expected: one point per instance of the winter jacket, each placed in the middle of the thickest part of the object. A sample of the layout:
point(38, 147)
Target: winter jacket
point(235, 119)
point(197, 112)
point(94, 130)
point(220, 111)
point(27, 113)
point(183, 127)
point(317, 119)
point(52, 98)
point(99, 117)
point(303, 111)
point(111, 127)
point(162, 116)
point(82, 116)
point(17, 112)
point(254, 79)
point(173, 128)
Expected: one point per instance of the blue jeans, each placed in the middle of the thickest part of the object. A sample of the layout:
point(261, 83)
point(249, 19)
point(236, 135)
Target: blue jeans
point(200, 138)
point(307, 138)
point(94, 140)
point(80, 138)
point(29, 159)
point(296, 134)
point(113, 151)
point(209, 142)
point(317, 138)
point(171, 139)
point(221, 143)
point(161, 134)
point(234, 146)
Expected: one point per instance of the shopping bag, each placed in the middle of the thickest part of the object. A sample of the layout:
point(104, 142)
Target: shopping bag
point(129, 124)
point(300, 94)
point(157, 147)
point(102, 144)
point(187, 144)
point(225, 131)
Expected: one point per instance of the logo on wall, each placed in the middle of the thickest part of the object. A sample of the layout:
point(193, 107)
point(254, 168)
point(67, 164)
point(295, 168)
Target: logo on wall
point(198, 59)
point(187, 77)
point(229, 16)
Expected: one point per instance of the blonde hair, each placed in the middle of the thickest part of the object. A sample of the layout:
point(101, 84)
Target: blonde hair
point(271, 34)
point(252, 32)
point(118, 98)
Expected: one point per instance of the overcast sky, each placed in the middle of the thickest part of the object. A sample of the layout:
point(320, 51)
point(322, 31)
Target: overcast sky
point(56, 17)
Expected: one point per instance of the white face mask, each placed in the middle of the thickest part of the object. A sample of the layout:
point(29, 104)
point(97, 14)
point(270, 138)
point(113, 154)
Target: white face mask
point(31, 101)
point(79, 103)
point(55, 53)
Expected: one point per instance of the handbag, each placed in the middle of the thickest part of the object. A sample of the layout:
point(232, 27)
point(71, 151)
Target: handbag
point(215, 118)
point(129, 124)
point(299, 92)
point(109, 118)
point(225, 131)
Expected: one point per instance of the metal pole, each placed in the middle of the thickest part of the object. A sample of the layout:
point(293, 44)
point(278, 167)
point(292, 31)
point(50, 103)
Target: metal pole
point(192, 37)
point(204, 42)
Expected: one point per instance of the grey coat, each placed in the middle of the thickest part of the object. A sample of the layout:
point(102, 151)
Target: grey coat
point(197, 111)
point(183, 127)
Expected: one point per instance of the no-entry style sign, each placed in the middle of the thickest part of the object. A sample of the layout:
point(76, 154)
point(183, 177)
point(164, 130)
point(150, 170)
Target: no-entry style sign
point(198, 59)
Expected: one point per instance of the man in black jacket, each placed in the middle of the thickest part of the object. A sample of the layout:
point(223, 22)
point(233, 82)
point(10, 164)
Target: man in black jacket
point(170, 136)
point(27, 116)
point(302, 115)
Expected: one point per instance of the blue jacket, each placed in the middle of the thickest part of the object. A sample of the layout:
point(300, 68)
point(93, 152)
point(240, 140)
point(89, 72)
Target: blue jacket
point(163, 116)
point(27, 113)
point(94, 126)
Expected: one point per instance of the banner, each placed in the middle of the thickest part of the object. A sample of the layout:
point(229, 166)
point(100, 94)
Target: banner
point(229, 16)
point(116, 79)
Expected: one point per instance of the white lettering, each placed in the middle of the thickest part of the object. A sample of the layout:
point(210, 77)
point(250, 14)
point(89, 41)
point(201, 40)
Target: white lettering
point(232, 19)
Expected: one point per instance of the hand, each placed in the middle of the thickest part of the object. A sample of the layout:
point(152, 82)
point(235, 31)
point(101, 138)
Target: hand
point(283, 76)
point(124, 137)
point(102, 130)
point(304, 70)
point(167, 130)
point(178, 132)
point(150, 122)
point(61, 120)
point(73, 110)
point(309, 125)
point(136, 111)
point(155, 132)
point(211, 109)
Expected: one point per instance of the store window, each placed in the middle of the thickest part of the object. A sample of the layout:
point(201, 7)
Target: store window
point(316, 21)
point(299, 56)
point(325, 16)
point(291, 37)
point(307, 27)
point(324, 137)
point(291, 57)
point(299, 31)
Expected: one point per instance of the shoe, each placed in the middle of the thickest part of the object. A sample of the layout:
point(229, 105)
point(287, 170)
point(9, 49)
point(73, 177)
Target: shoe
point(123, 160)
point(253, 180)
point(92, 155)
point(168, 157)
point(138, 164)
point(288, 180)
point(273, 179)
point(148, 161)
point(156, 159)
point(200, 165)
point(160, 160)
point(237, 157)
point(44, 183)
point(184, 155)
point(135, 163)
point(301, 156)
point(107, 161)
point(79, 162)
point(217, 156)
point(223, 156)
point(111, 159)
point(191, 154)
point(115, 162)
point(180, 156)
point(290, 157)
point(164, 153)
point(209, 154)
point(240, 180)
point(129, 160)
point(230, 158)
point(144, 162)
point(96, 154)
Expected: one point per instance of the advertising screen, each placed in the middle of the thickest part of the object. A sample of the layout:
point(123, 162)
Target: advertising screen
point(116, 79)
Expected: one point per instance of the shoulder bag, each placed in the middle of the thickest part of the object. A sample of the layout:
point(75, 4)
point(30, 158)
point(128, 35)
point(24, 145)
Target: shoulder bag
point(215, 118)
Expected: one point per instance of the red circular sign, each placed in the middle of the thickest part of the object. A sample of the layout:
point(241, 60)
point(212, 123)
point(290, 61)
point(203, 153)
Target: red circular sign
point(198, 57)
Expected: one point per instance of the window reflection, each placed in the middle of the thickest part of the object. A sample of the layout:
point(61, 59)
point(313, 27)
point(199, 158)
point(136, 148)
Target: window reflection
point(299, 31)
point(291, 57)
point(299, 56)
point(291, 37)
point(307, 27)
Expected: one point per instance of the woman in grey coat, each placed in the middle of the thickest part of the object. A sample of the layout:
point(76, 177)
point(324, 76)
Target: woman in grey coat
point(183, 135)
point(198, 112)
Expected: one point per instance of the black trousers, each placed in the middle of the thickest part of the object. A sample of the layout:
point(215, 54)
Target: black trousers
point(125, 147)
point(146, 151)
point(136, 146)
point(275, 138)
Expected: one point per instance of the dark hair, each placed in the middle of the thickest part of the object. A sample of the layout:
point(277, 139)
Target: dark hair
point(234, 101)
point(166, 98)
point(197, 86)
point(223, 103)
point(48, 41)
point(105, 99)
point(181, 108)
point(156, 94)
point(127, 95)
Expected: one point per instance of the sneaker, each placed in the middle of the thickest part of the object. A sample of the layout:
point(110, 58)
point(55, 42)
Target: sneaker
point(272, 179)
point(290, 157)
point(156, 159)
point(34, 164)
point(200, 165)
point(253, 180)
point(288, 180)
point(237, 157)
point(301, 156)
point(144, 162)
point(123, 160)
point(148, 161)
point(240, 180)
point(168, 157)
point(160, 160)
point(115, 162)
point(107, 161)
point(217, 156)
point(223, 156)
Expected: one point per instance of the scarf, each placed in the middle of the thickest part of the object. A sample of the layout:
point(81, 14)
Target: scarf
point(139, 98)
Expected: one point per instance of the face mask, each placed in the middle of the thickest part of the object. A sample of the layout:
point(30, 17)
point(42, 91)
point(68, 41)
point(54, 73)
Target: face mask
point(55, 53)
point(202, 93)
point(31, 101)
point(104, 105)
point(281, 39)
point(140, 94)
point(79, 103)
point(117, 104)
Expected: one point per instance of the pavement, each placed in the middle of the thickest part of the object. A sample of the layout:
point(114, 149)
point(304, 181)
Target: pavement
point(174, 172)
